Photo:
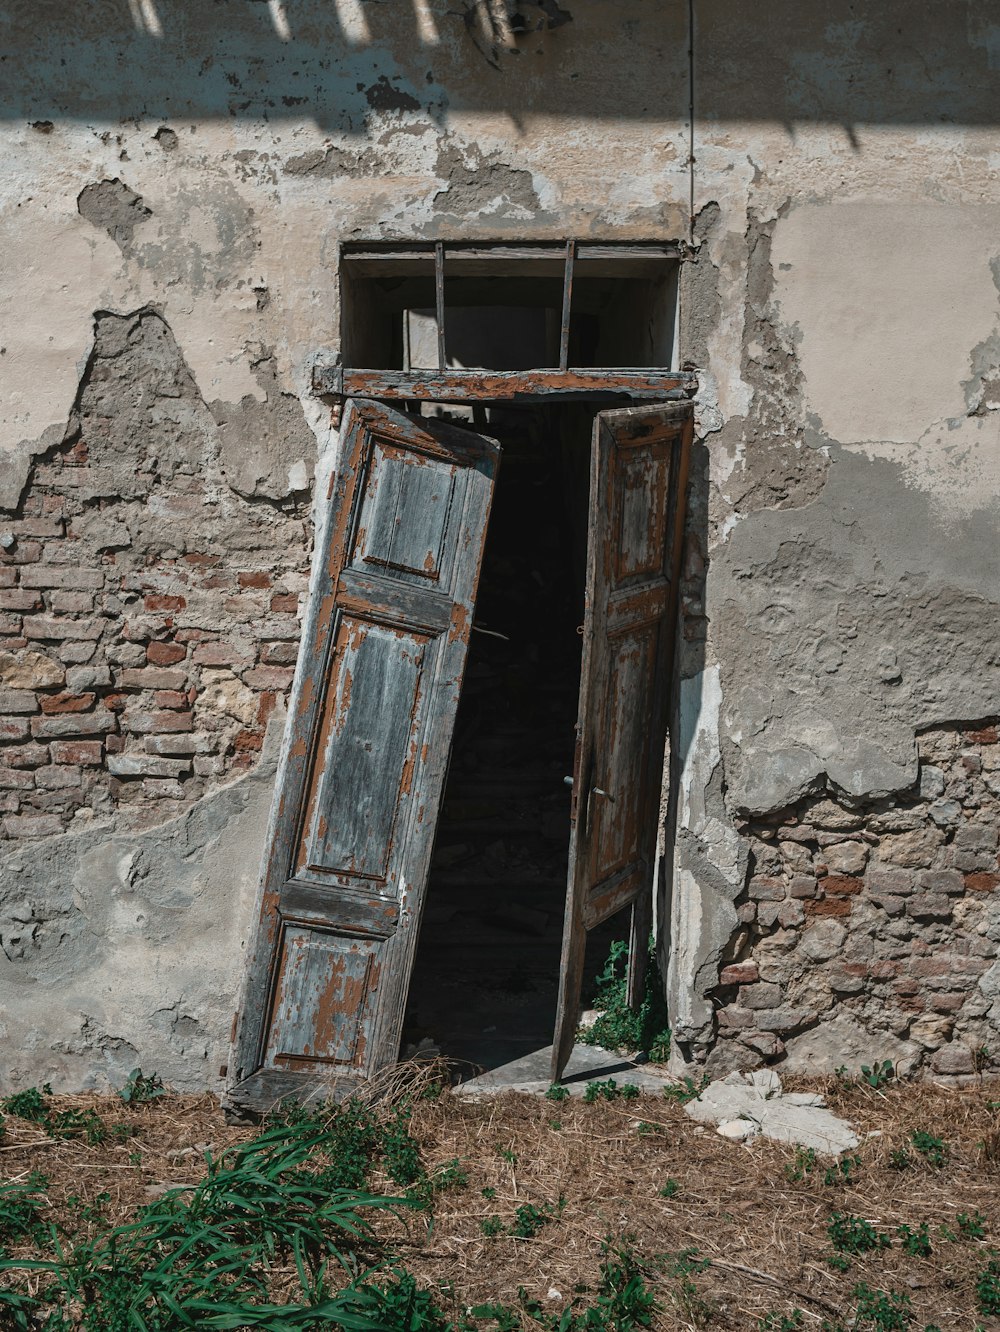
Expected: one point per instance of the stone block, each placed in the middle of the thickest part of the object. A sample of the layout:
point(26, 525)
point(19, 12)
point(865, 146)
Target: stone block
point(181, 744)
point(735, 1017)
point(911, 850)
point(14, 728)
point(846, 857)
point(166, 789)
point(62, 576)
point(19, 599)
point(71, 603)
point(953, 1059)
point(897, 882)
point(892, 906)
point(941, 881)
point(27, 755)
point(29, 670)
point(784, 1019)
point(803, 885)
point(146, 765)
point(279, 654)
point(32, 825)
point(976, 837)
point(931, 782)
point(269, 677)
point(16, 779)
point(822, 940)
point(18, 700)
point(79, 723)
point(790, 914)
point(59, 627)
point(761, 995)
point(929, 906)
point(762, 888)
point(152, 677)
point(149, 723)
point(72, 653)
point(81, 678)
point(58, 776)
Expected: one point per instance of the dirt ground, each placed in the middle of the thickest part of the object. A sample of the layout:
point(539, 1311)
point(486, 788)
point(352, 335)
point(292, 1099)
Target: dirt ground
point(759, 1214)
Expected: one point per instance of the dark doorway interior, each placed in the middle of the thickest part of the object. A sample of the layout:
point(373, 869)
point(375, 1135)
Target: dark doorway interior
point(483, 989)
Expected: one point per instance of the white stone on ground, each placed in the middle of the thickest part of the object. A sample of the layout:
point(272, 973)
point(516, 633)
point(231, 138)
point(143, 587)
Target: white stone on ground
point(743, 1106)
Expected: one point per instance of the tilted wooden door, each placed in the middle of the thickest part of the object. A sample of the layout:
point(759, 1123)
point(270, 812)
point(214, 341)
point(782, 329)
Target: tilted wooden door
point(377, 687)
point(638, 478)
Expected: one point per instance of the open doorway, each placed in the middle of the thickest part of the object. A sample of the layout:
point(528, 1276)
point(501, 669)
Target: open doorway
point(485, 980)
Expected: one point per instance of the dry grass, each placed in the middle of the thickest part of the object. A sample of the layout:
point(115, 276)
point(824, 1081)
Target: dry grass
point(764, 1233)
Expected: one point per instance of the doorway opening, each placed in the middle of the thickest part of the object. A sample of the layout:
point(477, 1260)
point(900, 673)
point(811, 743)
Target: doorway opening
point(484, 986)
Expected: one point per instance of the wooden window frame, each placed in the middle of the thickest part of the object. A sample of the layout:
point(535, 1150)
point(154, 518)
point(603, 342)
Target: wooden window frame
point(333, 380)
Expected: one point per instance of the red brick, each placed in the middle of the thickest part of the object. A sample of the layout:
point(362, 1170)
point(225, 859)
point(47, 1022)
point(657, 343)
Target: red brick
point(987, 736)
point(152, 677)
point(8, 576)
point(20, 599)
point(54, 703)
point(16, 779)
point(10, 623)
point(38, 527)
point(827, 906)
point(883, 970)
point(25, 552)
point(930, 966)
point(269, 677)
point(26, 756)
point(254, 578)
point(983, 882)
point(247, 740)
point(170, 698)
point(285, 603)
point(85, 752)
point(199, 559)
point(265, 707)
point(839, 884)
point(162, 601)
point(165, 654)
point(13, 728)
point(739, 973)
point(116, 702)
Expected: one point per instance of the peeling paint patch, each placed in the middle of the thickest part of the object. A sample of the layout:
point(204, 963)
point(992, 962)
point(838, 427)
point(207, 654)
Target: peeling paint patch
point(112, 206)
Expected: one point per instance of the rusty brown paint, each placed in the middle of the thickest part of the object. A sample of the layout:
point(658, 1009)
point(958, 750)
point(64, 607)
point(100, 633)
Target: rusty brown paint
point(499, 386)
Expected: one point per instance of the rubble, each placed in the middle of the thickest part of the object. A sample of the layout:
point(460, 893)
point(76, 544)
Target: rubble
point(746, 1106)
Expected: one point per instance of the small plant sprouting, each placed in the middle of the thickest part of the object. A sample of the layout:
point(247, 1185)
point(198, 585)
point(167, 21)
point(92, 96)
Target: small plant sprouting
point(609, 1090)
point(489, 1193)
point(507, 1155)
point(972, 1225)
point(878, 1073)
point(29, 1104)
point(140, 1089)
point(853, 1234)
point(779, 1322)
point(842, 1171)
point(491, 1226)
point(838, 1261)
point(988, 1288)
point(917, 1243)
point(880, 1310)
point(931, 1148)
point(529, 1219)
point(670, 1189)
point(803, 1165)
point(451, 1175)
point(900, 1159)
point(557, 1092)
point(685, 1091)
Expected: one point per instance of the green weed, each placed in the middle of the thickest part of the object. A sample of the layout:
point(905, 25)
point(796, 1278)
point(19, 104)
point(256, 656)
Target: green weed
point(972, 1225)
point(140, 1089)
point(988, 1288)
point(803, 1165)
point(491, 1226)
point(779, 1322)
point(619, 1027)
point(29, 1104)
point(529, 1220)
point(842, 1172)
point(853, 1234)
point(20, 1215)
point(932, 1149)
point(686, 1090)
point(557, 1092)
point(670, 1189)
point(609, 1090)
point(917, 1242)
point(878, 1074)
point(887, 1312)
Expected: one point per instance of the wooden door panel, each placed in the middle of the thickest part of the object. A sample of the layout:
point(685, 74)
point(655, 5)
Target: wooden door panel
point(373, 706)
point(364, 760)
point(638, 476)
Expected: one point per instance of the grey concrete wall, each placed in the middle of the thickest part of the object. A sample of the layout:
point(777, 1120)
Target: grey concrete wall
point(838, 181)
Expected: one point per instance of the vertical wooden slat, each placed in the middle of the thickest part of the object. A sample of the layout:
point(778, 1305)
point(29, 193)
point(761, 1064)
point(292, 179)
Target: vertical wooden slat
point(439, 303)
point(567, 304)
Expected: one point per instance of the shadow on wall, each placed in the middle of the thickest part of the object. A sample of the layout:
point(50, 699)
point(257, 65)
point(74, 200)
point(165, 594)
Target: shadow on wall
point(337, 62)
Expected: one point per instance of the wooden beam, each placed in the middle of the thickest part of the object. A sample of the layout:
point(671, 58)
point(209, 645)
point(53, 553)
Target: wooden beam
point(503, 385)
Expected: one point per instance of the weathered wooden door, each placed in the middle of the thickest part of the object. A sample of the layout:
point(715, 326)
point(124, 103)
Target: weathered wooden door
point(373, 707)
point(637, 483)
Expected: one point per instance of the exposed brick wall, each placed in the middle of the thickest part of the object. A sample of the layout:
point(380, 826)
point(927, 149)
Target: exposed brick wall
point(147, 612)
point(886, 911)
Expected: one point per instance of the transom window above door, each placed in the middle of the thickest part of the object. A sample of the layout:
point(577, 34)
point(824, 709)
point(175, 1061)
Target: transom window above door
point(579, 318)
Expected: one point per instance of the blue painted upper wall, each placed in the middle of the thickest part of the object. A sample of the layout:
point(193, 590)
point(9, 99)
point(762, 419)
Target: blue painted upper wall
point(334, 62)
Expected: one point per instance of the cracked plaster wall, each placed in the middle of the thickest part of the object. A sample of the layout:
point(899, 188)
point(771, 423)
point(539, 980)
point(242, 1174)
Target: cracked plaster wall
point(841, 561)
